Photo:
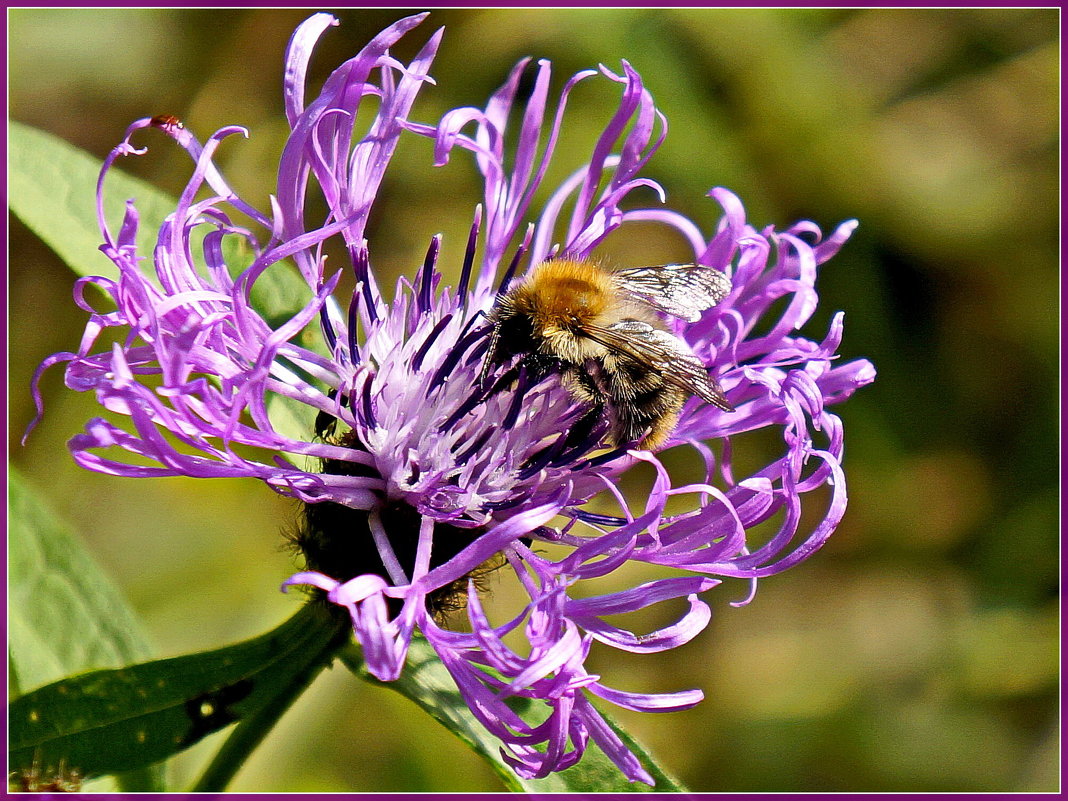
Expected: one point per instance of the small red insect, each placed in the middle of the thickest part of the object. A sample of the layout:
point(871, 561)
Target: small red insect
point(166, 122)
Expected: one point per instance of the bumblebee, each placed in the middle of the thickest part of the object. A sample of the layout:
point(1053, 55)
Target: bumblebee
point(602, 331)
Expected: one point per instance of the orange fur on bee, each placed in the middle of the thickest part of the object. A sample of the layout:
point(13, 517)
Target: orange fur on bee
point(560, 292)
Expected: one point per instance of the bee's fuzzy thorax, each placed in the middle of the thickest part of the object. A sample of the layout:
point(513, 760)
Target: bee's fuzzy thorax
point(564, 293)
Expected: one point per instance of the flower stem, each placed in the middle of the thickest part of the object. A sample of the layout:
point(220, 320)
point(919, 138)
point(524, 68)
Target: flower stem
point(252, 730)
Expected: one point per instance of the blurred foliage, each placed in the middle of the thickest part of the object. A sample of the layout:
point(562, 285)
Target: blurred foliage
point(918, 651)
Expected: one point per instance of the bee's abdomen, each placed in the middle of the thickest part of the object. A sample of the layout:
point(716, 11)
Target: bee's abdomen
point(642, 403)
point(654, 410)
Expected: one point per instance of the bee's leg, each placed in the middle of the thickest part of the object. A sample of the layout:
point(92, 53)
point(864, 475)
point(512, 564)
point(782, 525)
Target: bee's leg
point(539, 365)
point(585, 389)
point(629, 424)
point(632, 392)
point(584, 427)
point(326, 423)
point(652, 412)
point(520, 376)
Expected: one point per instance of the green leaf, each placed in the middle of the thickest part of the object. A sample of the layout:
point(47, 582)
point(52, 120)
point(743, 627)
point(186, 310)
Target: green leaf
point(665, 783)
point(52, 189)
point(65, 615)
point(295, 420)
point(427, 682)
point(109, 721)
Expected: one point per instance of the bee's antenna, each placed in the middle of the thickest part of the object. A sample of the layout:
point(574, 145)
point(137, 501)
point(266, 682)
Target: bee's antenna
point(491, 353)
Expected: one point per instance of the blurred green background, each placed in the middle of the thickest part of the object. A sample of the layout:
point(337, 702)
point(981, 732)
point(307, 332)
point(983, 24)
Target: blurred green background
point(918, 651)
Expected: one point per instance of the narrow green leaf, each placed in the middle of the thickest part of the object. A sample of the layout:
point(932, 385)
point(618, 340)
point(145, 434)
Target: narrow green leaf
point(65, 615)
point(52, 189)
point(426, 682)
point(110, 721)
point(292, 419)
point(665, 782)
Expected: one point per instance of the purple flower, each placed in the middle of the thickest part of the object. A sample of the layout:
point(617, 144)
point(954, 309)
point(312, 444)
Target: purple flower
point(428, 478)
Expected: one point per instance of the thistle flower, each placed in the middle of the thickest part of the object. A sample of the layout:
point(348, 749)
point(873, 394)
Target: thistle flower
point(426, 476)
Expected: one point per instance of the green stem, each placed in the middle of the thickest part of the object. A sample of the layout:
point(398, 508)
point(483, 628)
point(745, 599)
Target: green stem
point(252, 730)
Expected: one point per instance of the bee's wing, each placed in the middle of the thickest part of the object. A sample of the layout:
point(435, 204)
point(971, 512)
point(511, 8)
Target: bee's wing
point(681, 290)
point(662, 352)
